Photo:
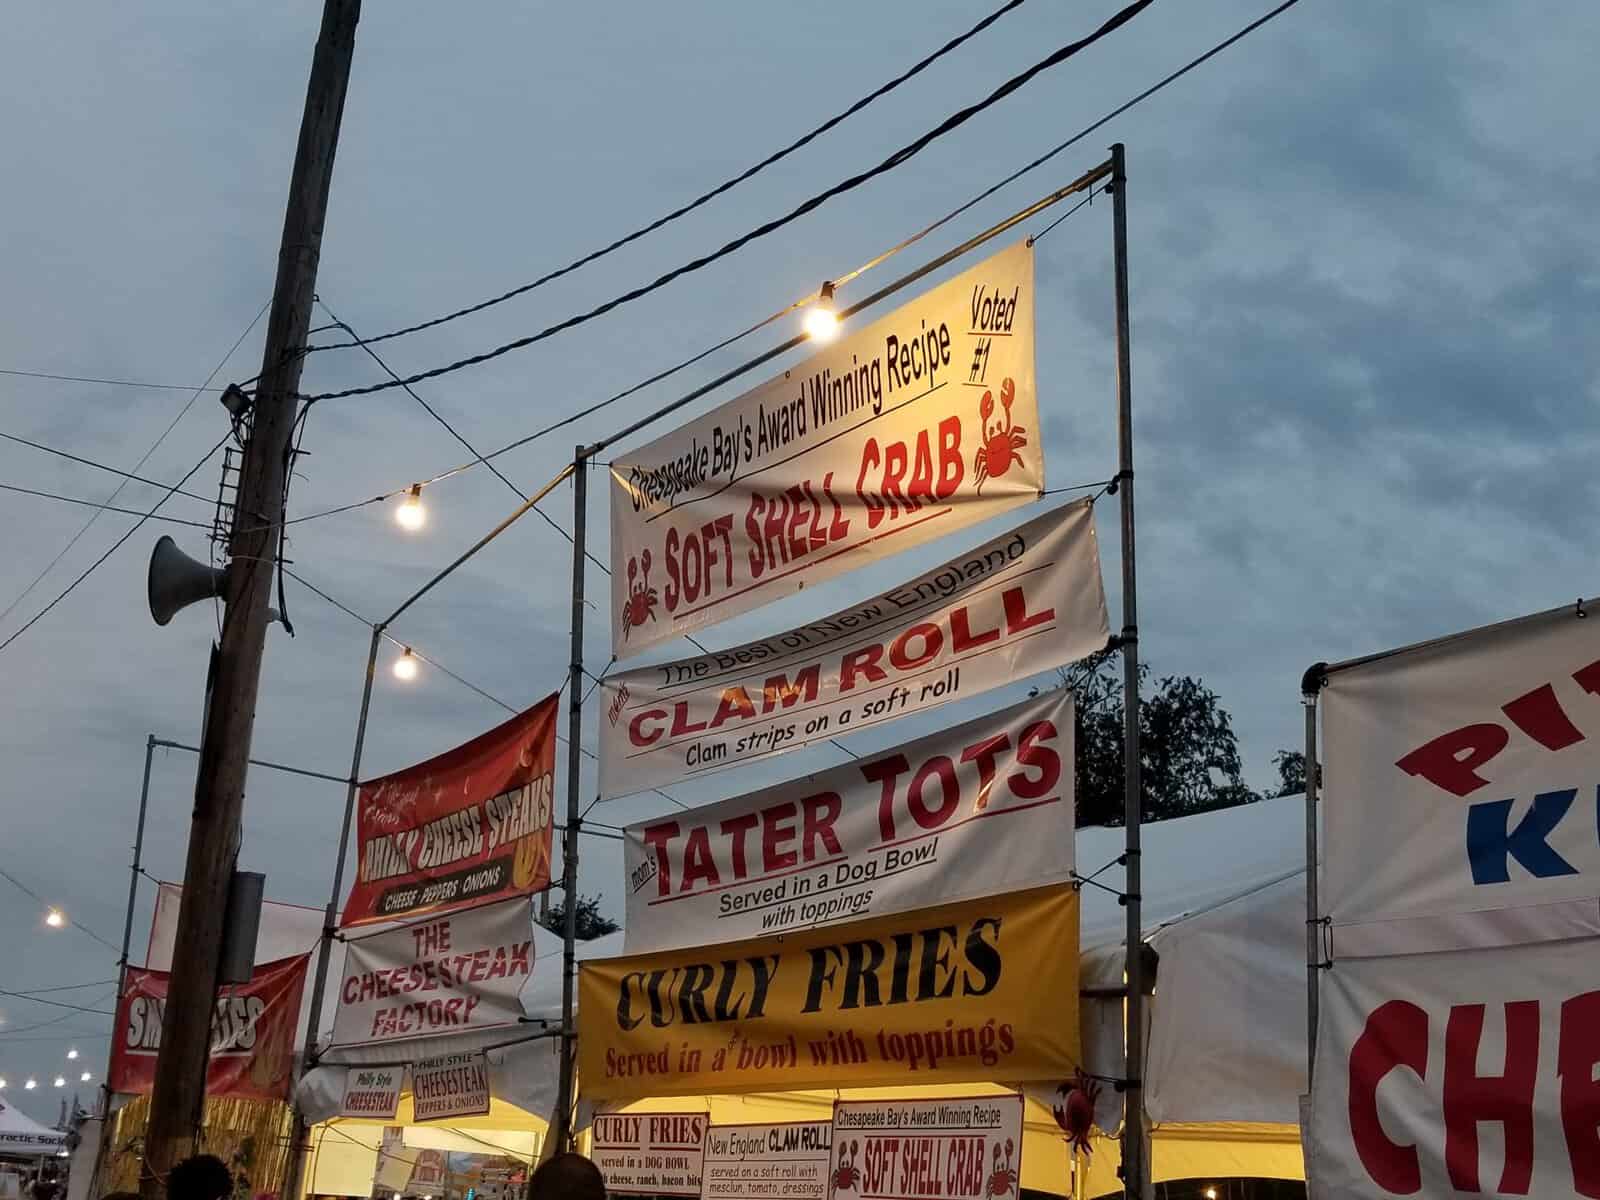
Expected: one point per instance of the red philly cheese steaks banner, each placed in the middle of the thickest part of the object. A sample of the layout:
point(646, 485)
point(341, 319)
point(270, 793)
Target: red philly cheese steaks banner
point(252, 1032)
point(469, 826)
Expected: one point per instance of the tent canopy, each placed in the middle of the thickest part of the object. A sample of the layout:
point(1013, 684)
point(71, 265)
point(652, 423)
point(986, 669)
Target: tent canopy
point(21, 1134)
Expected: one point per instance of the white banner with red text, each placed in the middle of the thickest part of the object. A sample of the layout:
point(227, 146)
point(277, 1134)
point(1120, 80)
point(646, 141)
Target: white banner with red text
point(1459, 1073)
point(651, 1154)
point(788, 1160)
point(1025, 601)
point(914, 426)
point(977, 810)
point(450, 974)
point(1461, 782)
point(961, 1148)
point(451, 1085)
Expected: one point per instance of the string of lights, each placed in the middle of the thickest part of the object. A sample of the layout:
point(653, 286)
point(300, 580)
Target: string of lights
point(894, 160)
point(54, 917)
point(775, 157)
point(966, 206)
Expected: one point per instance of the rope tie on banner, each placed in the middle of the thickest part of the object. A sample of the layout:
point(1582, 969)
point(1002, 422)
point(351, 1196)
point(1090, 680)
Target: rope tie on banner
point(1580, 614)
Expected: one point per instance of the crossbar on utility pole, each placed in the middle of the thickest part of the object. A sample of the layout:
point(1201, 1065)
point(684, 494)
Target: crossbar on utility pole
point(178, 1097)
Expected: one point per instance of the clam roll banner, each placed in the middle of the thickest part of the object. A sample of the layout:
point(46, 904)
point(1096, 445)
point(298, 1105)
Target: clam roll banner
point(910, 428)
point(1022, 602)
point(981, 809)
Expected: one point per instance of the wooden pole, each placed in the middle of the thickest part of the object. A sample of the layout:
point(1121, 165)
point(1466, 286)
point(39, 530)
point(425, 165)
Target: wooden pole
point(177, 1101)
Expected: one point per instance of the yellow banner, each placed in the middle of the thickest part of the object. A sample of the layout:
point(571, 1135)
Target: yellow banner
point(984, 990)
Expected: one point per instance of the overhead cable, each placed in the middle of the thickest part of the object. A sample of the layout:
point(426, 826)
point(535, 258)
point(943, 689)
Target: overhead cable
point(100, 466)
point(898, 158)
point(132, 512)
point(777, 156)
point(128, 383)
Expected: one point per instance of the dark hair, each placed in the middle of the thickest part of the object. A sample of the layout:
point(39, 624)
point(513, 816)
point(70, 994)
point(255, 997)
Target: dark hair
point(567, 1177)
point(120, 1196)
point(203, 1177)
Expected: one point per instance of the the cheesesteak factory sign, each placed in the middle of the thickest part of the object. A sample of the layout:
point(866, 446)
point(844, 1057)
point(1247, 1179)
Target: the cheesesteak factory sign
point(464, 828)
point(978, 809)
point(917, 425)
point(1025, 601)
point(252, 1032)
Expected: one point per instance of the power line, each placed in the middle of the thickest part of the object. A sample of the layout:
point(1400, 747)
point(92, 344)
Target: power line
point(1033, 165)
point(99, 1012)
point(130, 383)
point(154, 446)
point(898, 158)
point(132, 512)
point(24, 888)
point(777, 156)
point(4, 1034)
point(65, 987)
point(112, 549)
point(99, 466)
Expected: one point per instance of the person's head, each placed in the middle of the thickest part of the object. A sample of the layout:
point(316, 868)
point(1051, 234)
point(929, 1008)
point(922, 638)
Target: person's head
point(120, 1196)
point(203, 1177)
point(567, 1177)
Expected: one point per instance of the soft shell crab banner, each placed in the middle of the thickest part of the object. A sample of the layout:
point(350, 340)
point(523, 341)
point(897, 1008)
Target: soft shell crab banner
point(915, 426)
point(985, 990)
point(950, 1148)
point(450, 974)
point(1025, 601)
point(1461, 788)
point(1470, 1072)
point(252, 1032)
point(464, 828)
point(978, 809)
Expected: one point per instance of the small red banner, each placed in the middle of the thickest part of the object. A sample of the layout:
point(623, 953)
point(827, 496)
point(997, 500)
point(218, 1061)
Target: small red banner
point(252, 1032)
point(464, 828)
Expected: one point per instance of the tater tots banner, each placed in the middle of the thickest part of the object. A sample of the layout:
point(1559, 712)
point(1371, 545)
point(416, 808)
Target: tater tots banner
point(978, 809)
point(1025, 601)
point(983, 990)
point(916, 425)
point(466, 827)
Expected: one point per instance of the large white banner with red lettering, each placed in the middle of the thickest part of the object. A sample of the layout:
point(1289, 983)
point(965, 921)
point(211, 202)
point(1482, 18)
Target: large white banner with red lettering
point(916, 425)
point(1023, 602)
point(977, 810)
point(1461, 780)
point(1471, 1072)
point(446, 974)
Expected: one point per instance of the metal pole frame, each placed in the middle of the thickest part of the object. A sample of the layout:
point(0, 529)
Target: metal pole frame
point(569, 846)
point(1310, 688)
point(1135, 1142)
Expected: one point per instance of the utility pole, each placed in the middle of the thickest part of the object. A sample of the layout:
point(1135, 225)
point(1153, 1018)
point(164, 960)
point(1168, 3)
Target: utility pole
point(177, 1102)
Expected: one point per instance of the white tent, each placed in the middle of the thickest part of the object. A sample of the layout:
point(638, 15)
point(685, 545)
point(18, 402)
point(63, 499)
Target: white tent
point(20, 1134)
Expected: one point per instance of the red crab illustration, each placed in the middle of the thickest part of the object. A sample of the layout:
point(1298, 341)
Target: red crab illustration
point(1074, 1110)
point(1002, 1179)
point(1001, 442)
point(641, 603)
point(847, 1176)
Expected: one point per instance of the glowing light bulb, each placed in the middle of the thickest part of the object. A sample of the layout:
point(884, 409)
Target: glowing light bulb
point(84, 1078)
point(405, 667)
point(72, 1054)
point(822, 320)
point(55, 918)
point(31, 1084)
point(61, 1081)
point(1211, 1194)
point(2, 1085)
point(411, 514)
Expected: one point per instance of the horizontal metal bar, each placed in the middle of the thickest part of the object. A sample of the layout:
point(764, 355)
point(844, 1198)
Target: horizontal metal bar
point(259, 762)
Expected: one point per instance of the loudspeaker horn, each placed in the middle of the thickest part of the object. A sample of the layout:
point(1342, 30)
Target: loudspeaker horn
point(177, 581)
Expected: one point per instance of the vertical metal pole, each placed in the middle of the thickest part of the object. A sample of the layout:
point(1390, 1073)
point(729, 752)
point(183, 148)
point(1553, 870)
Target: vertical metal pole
point(569, 843)
point(300, 1138)
point(1309, 687)
point(1135, 1157)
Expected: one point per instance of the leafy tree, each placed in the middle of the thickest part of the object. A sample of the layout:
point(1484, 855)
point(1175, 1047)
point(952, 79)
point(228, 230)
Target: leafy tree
point(1189, 754)
point(591, 922)
point(1291, 766)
